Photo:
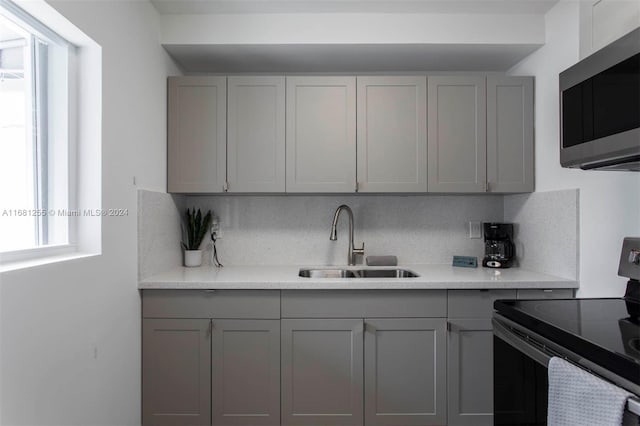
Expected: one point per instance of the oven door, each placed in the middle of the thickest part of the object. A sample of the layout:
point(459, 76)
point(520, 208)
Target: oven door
point(520, 379)
point(520, 376)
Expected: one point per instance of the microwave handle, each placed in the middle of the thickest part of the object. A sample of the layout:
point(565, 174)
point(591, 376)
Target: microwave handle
point(503, 332)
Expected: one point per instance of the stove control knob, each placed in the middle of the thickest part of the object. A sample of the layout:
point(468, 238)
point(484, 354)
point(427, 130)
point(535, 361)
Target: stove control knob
point(634, 256)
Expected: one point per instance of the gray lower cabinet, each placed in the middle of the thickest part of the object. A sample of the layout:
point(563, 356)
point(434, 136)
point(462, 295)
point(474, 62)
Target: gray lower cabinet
point(470, 356)
point(176, 372)
point(405, 372)
point(245, 375)
point(470, 372)
point(211, 372)
point(322, 372)
point(375, 358)
point(470, 353)
point(211, 357)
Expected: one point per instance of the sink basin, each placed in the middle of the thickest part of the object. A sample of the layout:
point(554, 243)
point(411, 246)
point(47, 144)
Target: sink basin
point(327, 273)
point(357, 273)
point(387, 273)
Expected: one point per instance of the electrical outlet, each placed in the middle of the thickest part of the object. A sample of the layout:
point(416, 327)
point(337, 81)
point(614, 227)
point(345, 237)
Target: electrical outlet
point(216, 228)
point(475, 229)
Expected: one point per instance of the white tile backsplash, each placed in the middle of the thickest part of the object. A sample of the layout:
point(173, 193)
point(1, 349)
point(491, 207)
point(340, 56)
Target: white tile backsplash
point(159, 233)
point(294, 229)
point(546, 231)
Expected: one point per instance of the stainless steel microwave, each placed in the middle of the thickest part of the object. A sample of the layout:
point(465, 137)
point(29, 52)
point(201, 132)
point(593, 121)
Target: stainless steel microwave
point(600, 108)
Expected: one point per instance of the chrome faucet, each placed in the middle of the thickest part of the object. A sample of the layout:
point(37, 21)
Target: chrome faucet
point(351, 257)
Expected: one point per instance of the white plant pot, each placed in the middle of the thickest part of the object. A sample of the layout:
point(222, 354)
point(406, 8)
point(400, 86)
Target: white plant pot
point(192, 257)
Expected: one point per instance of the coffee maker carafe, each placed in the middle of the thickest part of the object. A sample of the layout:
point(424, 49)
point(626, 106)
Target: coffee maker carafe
point(499, 250)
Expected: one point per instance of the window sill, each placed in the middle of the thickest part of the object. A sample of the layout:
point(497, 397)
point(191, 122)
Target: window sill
point(24, 259)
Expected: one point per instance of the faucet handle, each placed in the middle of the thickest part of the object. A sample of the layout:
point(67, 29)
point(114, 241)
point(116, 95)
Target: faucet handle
point(359, 251)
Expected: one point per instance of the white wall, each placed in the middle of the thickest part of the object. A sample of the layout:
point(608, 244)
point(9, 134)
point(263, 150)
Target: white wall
point(609, 201)
point(70, 332)
point(352, 28)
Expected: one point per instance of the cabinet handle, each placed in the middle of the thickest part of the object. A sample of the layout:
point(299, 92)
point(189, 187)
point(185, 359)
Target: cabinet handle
point(369, 328)
point(210, 328)
point(225, 187)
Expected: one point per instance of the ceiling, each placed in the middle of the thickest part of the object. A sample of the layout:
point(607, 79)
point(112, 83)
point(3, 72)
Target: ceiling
point(169, 7)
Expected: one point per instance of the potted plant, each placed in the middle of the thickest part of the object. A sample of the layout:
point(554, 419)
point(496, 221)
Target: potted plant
point(194, 230)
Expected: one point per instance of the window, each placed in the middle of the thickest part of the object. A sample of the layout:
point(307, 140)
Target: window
point(34, 134)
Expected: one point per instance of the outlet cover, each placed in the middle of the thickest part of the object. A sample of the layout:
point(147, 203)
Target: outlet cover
point(475, 229)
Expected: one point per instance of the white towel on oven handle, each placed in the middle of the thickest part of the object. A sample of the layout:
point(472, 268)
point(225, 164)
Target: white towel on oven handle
point(578, 398)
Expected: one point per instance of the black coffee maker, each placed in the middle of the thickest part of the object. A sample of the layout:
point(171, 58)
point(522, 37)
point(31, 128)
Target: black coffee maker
point(499, 250)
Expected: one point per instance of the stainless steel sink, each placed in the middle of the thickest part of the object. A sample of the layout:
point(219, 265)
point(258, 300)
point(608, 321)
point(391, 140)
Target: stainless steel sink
point(357, 273)
point(387, 273)
point(327, 273)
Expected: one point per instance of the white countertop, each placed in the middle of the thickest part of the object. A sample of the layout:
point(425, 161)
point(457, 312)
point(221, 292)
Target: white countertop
point(286, 277)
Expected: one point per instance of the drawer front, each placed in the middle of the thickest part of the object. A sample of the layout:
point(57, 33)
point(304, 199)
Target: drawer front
point(551, 293)
point(364, 303)
point(246, 304)
point(475, 303)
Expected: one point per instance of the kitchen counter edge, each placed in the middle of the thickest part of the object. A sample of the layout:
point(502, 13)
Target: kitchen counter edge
point(431, 277)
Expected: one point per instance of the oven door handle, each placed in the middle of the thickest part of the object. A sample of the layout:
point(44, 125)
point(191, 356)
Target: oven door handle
point(503, 332)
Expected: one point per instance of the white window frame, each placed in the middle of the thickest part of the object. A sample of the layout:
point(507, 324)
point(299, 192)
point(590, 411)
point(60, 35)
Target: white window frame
point(83, 234)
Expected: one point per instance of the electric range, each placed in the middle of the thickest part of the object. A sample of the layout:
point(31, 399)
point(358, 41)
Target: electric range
point(600, 335)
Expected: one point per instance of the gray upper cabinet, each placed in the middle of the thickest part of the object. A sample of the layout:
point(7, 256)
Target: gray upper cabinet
point(176, 372)
point(256, 134)
point(342, 134)
point(510, 134)
point(246, 372)
point(405, 372)
point(392, 134)
point(197, 120)
point(322, 372)
point(321, 134)
point(457, 134)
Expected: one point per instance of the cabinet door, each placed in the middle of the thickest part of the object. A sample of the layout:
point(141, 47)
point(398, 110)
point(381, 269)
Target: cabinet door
point(321, 134)
point(246, 372)
point(322, 372)
point(457, 147)
point(510, 134)
point(405, 372)
point(470, 372)
point(392, 134)
point(255, 140)
point(176, 373)
point(197, 130)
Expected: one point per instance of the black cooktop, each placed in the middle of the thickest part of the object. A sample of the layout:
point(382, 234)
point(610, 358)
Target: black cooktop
point(604, 331)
